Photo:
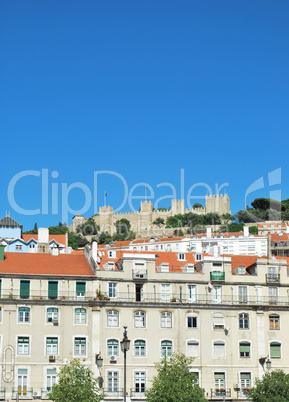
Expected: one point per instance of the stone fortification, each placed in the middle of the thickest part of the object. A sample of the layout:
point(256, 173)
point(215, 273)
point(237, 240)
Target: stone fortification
point(142, 221)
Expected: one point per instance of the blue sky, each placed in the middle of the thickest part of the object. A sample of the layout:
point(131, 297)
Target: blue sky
point(149, 90)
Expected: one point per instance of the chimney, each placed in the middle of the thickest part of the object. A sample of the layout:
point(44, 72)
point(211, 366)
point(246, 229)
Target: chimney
point(246, 231)
point(209, 233)
point(287, 228)
point(43, 235)
point(94, 250)
point(2, 248)
point(55, 251)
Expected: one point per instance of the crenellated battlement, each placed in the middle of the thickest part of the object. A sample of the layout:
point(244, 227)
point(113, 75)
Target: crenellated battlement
point(219, 203)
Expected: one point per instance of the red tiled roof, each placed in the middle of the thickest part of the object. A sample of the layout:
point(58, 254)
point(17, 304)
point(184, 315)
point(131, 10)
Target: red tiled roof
point(59, 238)
point(279, 237)
point(243, 260)
point(45, 264)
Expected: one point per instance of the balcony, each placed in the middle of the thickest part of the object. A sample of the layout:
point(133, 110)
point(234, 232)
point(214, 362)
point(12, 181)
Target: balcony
point(272, 278)
point(113, 392)
point(139, 273)
point(137, 394)
point(220, 393)
point(22, 393)
point(217, 276)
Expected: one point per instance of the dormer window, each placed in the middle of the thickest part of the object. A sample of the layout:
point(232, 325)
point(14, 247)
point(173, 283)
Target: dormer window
point(181, 256)
point(198, 257)
point(110, 266)
point(111, 253)
point(164, 267)
point(241, 270)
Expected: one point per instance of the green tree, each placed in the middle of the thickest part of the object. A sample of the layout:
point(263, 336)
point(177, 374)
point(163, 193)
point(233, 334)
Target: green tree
point(104, 238)
point(159, 222)
point(227, 217)
point(88, 228)
point(197, 205)
point(274, 386)
point(175, 382)
point(75, 384)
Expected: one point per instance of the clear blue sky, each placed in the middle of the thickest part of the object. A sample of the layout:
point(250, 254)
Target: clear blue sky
point(142, 88)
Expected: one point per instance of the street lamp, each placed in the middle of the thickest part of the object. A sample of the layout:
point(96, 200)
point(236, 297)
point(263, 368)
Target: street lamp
point(125, 343)
point(268, 364)
point(99, 362)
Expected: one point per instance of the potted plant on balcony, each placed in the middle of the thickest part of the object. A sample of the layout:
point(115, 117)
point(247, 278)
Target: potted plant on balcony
point(99, 295)
point(173, 299)
point(221, 391)
point(247, 390)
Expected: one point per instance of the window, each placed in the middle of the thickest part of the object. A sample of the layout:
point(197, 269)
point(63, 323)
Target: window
point(112, 381)
point(220, 381)
point(217, 294)
point(219, 350)
point(166, 348)
point(51, 376)
point(192, 293)
point(24, 314)
point(80, 316)
point(140, 382)
point(0, 314)
point(241, 270)
point(181, 256)
point(112, 318)
point(112, 290)
point(52, 314)
point(139, 348)
point(18, 247)
point(80, 346)
point(52, 289)
point(197, 376)
point(24, 289)
point(192, 321)
point(140, 319)
point(193, 349)
point(218, 321)
point(112, 347)
point(243, 294)
point(243, 321)
point(244, 348)
point(274, 321)
point(23, 345)
point(273, 294)
point(166, 319)
point(198, 257)
point(165, 292)
point(111, 253)
point(22, 381)
point(80, 290)
point(245, 379)
point(51, 346)
point(275, 350)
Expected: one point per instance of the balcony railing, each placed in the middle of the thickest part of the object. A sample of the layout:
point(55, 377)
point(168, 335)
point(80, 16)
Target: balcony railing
point(118, 392)
point(272, 278)
point(173, 298)
point(220, 393)
point(217, 276)
point(136, 394)
point(22, 392)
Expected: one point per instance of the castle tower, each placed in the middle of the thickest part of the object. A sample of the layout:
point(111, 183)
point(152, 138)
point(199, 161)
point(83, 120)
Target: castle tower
point(218, 203)
point(76, 220)
point(178, 207)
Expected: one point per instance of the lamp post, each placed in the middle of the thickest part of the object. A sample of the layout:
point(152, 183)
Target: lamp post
point(99, 362)
point(125, 343)
point(268, 364)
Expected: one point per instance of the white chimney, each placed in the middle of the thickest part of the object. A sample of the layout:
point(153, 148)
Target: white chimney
point(43, 235)
point(246, 231)
point(287, 228)
point(55, 251)
point(94, 250)
point(209, 233)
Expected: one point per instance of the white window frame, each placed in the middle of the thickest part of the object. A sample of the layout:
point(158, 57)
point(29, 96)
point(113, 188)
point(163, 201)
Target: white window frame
point(112, 382)
point(194, 319)
point(113, 348)
point(140, 382)
point(112, 318)
point(51, 378)
point(112, 290)
point(193, 348)
point(219, 353)
point(166, 348)
point(52, 316)
point(139, 319)
point(243, 294)
point(192, 293)
point(80, 349)
point(24, 315)
point(80, 316)
point(165, 292)
point(23, 348)
point(51, 349)
point(140, 350)
point(166, 318)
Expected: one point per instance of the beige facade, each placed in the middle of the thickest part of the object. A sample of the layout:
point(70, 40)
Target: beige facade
point(142, 221)
point(226, 312)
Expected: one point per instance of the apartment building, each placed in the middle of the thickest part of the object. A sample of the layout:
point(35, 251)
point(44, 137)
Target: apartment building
point(230, 313)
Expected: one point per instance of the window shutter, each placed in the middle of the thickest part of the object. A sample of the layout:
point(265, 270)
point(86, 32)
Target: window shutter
point(24, 289)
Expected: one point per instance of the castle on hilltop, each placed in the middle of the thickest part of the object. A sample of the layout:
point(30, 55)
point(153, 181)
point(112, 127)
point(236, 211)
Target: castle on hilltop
point(142, 221)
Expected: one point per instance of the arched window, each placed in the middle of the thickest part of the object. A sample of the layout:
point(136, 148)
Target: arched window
point(275, 350)
point(139, 319)
point(166, 319)
point(52, 314)
point(80, 316)
point(24, 314)
point(112, 318)
point(112, 347)
point(193, 348)
point(245, 349)
point(219, 350)
point(243, 321)
point(139, 348)
point(274, 321)
point(166, 348)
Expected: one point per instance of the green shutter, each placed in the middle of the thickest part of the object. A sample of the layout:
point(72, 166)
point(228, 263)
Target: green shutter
point(52, 290)
point(24, 289)
point(244, 347)
point(219, 376)
point(275, 349)
point(80, 287)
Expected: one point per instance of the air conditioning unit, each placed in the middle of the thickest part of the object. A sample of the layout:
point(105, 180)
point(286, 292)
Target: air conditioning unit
point(55, 322)
point(113, 358)
point(52, 359)
point(237, 386)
